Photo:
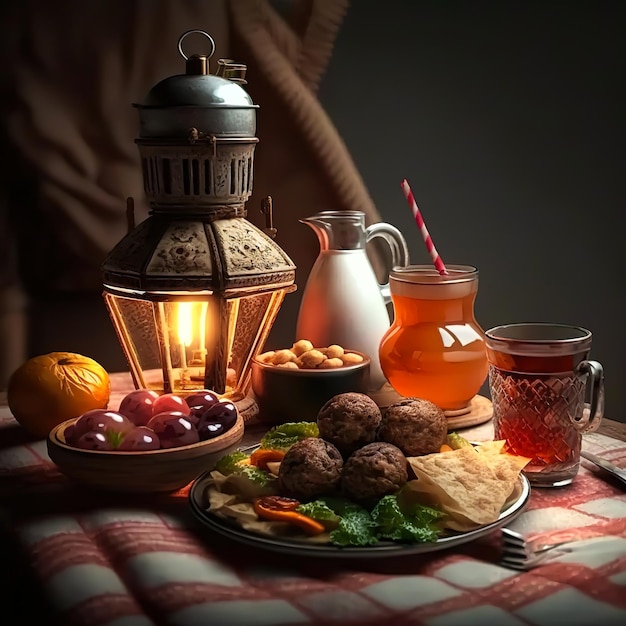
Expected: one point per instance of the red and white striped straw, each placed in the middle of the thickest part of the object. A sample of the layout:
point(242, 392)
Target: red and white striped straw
point(419, 220)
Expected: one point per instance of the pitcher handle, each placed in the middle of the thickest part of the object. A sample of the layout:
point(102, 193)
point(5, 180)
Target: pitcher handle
point(593, 375)
point(398, 246)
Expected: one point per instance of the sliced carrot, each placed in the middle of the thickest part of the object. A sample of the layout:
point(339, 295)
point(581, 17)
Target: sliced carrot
point(281, 509)
point(261, 456)
point(445, 448)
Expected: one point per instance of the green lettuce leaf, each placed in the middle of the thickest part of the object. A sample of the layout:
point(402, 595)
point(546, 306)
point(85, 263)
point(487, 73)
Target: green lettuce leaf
point(339, 504)
point(320, 511)
point(283, 436)
point(356, 528)
point(256, 475)
point(417, 525)
point(456, 441)
point(237, 464)
point(231, 462)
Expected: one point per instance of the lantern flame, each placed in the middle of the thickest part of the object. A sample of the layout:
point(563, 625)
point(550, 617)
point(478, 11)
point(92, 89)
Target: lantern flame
point(185, 334)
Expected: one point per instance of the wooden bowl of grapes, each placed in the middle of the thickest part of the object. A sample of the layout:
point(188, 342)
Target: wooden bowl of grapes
point(150, 443)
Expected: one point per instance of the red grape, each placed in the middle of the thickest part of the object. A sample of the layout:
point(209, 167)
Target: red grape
point(110, 423)
point(137, 406)
point(93, 440)
point(68, 433)
point(140, 438)
point(210, 430)
point(193, 419)
point(173, 429)
point(170, 402)
point(223, 411)
point(200, 401)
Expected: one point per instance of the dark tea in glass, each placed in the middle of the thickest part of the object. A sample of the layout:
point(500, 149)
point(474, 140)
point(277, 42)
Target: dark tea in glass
point(539, 375)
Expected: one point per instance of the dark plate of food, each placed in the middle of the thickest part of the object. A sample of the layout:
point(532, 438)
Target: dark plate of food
point(328, 489)
point(230, 528)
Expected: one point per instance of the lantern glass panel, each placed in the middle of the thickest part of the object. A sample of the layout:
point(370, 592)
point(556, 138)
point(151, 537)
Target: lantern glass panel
point(184, 344)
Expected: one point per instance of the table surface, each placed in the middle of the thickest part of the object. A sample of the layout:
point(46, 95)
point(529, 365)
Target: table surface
point(80, 557)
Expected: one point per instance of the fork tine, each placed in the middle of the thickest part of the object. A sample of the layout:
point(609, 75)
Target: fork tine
point(514, 545)
point(520, 565)
point(516, 551)
point(519, 554)
point(529, 547)
point(512, 537)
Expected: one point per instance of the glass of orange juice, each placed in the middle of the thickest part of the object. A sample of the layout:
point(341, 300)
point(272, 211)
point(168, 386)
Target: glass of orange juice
point(435, 349)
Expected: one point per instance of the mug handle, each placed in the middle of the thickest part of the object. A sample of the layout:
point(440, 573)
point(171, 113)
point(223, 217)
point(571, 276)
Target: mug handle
point(593, 375)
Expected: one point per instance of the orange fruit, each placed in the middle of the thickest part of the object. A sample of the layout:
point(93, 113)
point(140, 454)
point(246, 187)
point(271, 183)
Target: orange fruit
point(51, 388)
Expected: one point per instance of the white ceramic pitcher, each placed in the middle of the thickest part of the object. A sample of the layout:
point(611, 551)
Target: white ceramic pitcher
point(343, 302)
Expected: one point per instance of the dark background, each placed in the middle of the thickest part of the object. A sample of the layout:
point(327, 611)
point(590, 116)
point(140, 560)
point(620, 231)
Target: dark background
point(507, 118)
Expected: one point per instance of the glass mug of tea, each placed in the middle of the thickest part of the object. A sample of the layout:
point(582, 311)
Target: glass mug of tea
point(435, 349)
point(539, 379)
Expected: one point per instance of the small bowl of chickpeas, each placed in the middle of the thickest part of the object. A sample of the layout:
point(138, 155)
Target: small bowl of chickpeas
point(292, 384)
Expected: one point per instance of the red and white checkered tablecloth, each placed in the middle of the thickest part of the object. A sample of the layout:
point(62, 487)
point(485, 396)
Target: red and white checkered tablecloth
point(141, 560)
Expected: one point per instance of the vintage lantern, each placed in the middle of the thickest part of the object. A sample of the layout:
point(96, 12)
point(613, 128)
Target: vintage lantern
point(193, 291)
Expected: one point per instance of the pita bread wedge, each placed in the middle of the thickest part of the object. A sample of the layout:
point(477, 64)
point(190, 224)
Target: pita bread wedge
point(470, 487)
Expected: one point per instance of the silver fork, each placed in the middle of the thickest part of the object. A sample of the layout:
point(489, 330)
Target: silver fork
point(521, 554)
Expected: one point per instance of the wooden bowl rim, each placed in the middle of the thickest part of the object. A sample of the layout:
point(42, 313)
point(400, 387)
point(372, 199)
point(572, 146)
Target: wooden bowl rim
point(212, 445)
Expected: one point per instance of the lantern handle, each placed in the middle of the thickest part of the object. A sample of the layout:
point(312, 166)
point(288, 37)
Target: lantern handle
point(200, 32)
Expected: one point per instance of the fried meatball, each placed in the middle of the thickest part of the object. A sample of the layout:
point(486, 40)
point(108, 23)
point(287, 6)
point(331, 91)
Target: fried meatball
point(374, 471)
point(415, 425)
point(349, 421)
point(310, 468)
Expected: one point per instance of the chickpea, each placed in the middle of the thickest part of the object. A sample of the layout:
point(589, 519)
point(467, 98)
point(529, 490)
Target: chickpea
point(283, 356)
point(330, 364)
point(311, 359)
point(303, 355)
point(334, 351)
point(266, 357)
point(350, 358)
point(289, 365)
point(301, 346)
